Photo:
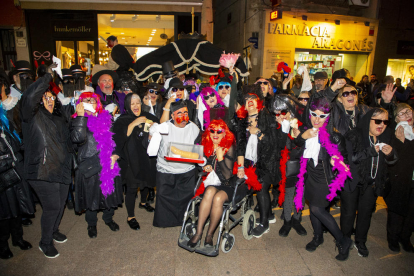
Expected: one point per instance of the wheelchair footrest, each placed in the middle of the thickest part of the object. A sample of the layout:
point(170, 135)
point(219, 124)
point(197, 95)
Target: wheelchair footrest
point(210, 251)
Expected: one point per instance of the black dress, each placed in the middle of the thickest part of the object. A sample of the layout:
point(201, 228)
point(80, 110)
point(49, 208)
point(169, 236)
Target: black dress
point(138, 170)
point(224, 171)
point(88, 193)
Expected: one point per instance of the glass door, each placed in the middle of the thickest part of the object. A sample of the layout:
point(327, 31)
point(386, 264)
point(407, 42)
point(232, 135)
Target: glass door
point(76, 52)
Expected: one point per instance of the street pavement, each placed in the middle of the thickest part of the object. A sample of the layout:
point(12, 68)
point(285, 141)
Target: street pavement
point(154, 251)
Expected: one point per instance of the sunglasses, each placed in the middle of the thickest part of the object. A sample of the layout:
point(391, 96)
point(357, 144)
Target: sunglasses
point(208, 96)
point(155, 91)
point(322, 116)
point(224, 86)
point(303, 99)
point(218, 131)
point(346, 94)
point(262, 82)
point(378, 121)
point(177, 89)
point(53, 98)
point(283, 112)
point(92, 101)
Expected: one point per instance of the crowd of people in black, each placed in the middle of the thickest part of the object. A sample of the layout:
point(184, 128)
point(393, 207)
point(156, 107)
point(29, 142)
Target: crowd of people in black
point(93, 146)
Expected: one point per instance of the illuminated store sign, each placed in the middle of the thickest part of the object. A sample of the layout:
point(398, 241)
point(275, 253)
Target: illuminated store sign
point(321, 38)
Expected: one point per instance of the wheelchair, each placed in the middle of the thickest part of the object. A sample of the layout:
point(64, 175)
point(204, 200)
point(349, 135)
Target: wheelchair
point(225, 240)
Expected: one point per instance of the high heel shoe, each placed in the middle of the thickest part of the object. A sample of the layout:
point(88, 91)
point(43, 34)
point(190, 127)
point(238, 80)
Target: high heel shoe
point(191, 244)
point(208, 241)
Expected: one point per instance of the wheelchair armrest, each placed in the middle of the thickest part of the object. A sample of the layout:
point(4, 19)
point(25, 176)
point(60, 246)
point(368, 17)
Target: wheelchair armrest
point(239, 181)
point(200, 174)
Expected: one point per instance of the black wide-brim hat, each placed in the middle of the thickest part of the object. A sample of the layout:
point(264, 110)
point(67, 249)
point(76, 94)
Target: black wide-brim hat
point(342, 74)
point(177, 83)
point(21, 66)
point(97, 75)
point(153, 85)
point(67, 73)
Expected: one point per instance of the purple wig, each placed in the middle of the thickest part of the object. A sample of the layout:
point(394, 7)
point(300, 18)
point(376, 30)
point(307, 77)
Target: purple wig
point(192, 82)
point(208, 91)
point(321, 104)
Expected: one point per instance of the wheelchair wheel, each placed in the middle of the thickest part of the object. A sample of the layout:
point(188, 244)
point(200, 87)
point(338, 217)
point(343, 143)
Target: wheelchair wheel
point(227, 243)
point(189, 230)
point(249, 221)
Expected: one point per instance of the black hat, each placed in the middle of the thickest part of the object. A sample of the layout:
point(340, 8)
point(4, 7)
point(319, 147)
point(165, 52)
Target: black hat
point(176, 83)
point(153, 85)
point(66, 73)
point(225, 79)
point(168, 69)
point(177, 105)
point(290, 103)
point(77, 69)
point(112, 38)
point(342, 74)
point(21, 66)
point(320, 75)
point(98, 74)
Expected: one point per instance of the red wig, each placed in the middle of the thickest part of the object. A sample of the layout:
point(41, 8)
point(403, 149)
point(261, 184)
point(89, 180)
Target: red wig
point(242, 112)
point(226, 142)
point(85, 95)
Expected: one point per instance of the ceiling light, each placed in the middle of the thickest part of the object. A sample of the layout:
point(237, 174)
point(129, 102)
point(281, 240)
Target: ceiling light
point(154, 30)
point(152, 34)
point(123, 38)
point(122, 33)
point(112, 18)
point(126, 42)
point(134, 18)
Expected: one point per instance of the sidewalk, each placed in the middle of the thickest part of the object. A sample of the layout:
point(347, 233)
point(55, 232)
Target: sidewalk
point(154, 251)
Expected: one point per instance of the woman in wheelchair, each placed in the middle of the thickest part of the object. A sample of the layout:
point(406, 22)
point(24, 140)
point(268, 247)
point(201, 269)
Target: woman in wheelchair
point(219, 149)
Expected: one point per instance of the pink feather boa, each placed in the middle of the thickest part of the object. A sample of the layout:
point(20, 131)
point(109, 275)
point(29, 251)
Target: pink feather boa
point(228, 60)
point(100, 127)
point(337, 184)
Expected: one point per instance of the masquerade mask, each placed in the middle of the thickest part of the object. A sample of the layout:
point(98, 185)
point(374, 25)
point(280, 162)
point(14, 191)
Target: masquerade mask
point(322, 116)
point(180, 119)
point(378, 121)
point(283, 112)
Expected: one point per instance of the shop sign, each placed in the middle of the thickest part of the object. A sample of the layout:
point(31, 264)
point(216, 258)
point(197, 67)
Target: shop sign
point(65, 28)
point(405, 47)
point(321, 37)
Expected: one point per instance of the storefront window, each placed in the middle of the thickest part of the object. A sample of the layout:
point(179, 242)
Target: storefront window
point(65, 51)
point(86, 55)
point(356, 64)
point(401, 68)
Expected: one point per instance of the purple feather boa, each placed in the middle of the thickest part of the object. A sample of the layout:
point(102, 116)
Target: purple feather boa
point(100, 127)
point(337, 184)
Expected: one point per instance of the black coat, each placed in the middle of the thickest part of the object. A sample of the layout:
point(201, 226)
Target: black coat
point(397, 190)
point(18, 199)
point(47, 154)
point(88, 194)
point(137, 168)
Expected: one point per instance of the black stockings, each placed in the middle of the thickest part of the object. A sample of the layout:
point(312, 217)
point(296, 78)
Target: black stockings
point(130, 198)
point(211, 205)
point(319, 216)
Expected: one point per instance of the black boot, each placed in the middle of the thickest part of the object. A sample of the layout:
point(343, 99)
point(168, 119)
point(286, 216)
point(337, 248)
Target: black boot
point(284, 231)
point(298, 227)
point(151, 195)
point(316, 241)
point(344, 245)
point(5, 253)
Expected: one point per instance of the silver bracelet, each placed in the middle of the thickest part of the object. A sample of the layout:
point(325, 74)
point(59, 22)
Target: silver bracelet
point(166, 109)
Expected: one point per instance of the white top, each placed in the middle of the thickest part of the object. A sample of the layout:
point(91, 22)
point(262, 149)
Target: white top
point(15, 93)
point(187, 135)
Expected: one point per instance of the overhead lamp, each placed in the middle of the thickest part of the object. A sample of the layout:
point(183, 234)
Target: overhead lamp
point(304, 17)
point(154, 30)
point(152, 34)
point(134, 18)
point(122, 33)
point(337, 22)
point(112, 18)
point(123, 38)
